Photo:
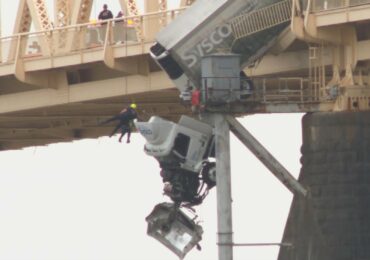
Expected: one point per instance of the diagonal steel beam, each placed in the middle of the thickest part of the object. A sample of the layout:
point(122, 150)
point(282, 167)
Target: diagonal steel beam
point(22, 24)
point(131, 9)
point(266, 157)
point(81, 10)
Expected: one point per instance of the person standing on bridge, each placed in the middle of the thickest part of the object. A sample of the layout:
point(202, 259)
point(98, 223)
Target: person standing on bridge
point(120, 15)
point(125, 118)
point(105, 14)
point(120, 28)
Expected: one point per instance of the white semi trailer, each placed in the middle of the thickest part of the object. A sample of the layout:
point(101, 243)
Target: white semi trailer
point(245, 27)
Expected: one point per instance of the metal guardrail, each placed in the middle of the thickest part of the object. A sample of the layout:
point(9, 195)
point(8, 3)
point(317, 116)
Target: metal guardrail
point(289, 89)
point(262, 90)
point(322, 5)
point(261, 19)
point(82, 37)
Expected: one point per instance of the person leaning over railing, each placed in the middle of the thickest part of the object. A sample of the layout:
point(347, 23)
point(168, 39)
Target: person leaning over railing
point(120, 15)
point(119, 28)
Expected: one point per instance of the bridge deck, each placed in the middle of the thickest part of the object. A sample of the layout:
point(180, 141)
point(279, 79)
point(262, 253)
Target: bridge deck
point(57, 85)
point(57, 91)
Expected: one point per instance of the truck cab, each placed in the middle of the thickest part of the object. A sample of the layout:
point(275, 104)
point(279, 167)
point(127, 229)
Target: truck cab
point(183, 151)
point(185, 144)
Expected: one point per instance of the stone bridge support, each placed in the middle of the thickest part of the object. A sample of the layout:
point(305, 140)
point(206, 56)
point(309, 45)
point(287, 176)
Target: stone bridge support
point(334, 224)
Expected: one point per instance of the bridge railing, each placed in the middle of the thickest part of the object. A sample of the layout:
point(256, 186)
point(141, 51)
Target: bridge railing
point(133, 30)
point(282, 89)
point(322, 5)
point(263, 90)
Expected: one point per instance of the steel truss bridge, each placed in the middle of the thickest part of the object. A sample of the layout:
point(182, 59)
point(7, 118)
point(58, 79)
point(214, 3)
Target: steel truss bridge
point(59, 81)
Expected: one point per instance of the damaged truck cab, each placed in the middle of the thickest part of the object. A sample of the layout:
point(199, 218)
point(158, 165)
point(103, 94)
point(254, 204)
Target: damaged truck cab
point(183, 151)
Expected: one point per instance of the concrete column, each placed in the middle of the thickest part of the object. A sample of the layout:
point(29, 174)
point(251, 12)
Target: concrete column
point(334, 223)
point(223, 179)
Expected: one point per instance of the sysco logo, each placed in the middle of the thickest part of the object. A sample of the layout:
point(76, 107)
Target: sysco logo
point(145, 131)
point(207, 45)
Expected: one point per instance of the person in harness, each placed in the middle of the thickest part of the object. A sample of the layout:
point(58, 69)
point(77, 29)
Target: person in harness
point(125, 118)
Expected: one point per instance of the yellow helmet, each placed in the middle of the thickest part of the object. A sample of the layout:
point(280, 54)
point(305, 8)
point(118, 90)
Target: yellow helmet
point(133, 106)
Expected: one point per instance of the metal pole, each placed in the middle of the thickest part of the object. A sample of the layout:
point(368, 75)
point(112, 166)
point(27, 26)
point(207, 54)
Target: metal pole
point(1, 32)
point(223, 180)
point(265, 157)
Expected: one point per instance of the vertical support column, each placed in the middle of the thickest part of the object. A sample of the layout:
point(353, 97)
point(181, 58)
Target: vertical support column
point(1, 34)
point(223, 179)
point(151, 23)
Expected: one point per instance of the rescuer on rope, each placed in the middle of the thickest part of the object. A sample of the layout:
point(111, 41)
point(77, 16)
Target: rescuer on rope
point(125, 118)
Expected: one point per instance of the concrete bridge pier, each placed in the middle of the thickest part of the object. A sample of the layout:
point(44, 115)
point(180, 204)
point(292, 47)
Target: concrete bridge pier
point(334, 224)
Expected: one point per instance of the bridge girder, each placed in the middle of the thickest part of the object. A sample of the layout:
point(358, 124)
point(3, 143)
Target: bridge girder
point(83, 92)
point(68, 12)
point(81, 11)
point(62, 13)
point(23, 18)
point(30, 11)
point(69, 122)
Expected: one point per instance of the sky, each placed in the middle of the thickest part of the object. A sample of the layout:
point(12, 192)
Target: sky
point(88, 199)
